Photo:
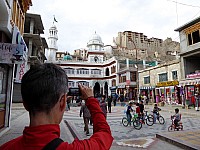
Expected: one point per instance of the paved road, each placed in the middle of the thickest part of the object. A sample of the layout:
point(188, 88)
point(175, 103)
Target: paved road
point(125, 137)
point(128, 137)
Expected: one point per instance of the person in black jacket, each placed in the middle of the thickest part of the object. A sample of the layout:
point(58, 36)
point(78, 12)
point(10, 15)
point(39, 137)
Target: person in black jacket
point(109, 100)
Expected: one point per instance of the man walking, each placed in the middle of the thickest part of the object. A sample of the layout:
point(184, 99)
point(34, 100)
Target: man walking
point(86, 117)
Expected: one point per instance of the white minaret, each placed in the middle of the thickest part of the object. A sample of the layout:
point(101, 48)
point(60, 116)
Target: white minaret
point(53, 38)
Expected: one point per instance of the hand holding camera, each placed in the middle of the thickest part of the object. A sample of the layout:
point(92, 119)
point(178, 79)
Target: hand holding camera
point(86, 92)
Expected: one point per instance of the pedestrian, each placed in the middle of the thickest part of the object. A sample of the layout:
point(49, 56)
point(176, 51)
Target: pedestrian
point(103, 106)
point(115, 98)
point(86, 117)
point(69, 98)
point(141, 105)
point(109, 99)
point(43, 90)
point(197, 102)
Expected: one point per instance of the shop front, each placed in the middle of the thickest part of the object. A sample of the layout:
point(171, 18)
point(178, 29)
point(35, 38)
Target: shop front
point(168, 91)
point(190, 88)
point(9, 53)
point(149, 92)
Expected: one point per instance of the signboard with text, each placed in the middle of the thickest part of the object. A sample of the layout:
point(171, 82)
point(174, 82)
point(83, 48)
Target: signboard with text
point(167, 83)
point(195, 75)
point(9, 52)
point(21, 67)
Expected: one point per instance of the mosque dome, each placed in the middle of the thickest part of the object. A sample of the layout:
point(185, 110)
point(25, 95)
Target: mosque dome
point(67, 57)
point(95, 39)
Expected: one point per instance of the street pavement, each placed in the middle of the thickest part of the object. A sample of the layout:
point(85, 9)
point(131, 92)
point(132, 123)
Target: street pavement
point(130, 138)
point(124, 137)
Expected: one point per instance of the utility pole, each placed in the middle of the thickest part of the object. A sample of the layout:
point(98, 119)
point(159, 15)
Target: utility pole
point(129, 36)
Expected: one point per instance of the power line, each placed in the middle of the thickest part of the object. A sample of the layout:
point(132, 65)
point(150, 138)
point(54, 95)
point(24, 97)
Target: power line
point(184, 4)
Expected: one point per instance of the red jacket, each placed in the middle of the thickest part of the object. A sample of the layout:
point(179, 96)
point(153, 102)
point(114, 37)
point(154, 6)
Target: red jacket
point(138, 110)
point(35, 138)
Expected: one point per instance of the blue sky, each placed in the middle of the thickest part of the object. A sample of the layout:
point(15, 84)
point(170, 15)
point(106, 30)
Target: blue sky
point(79, 19)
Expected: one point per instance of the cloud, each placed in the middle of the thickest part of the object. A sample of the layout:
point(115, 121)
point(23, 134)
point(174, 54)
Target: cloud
point(79, 19)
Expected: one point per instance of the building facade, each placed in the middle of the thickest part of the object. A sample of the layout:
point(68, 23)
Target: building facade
point(33, 28)
point(134, 45)
point(190, 59)
point(161, 83)
point(93, 71)
point(13, 51)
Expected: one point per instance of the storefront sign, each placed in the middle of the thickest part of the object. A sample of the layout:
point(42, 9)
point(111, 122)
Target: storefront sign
point(9, 52)
point(18, 39)
point(128, 82)
point(21, 67)
point(167, 83)
point(195, 75)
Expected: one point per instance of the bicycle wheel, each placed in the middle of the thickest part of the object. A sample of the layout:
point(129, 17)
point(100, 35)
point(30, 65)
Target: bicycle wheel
point(181, 127)
point(125, 121)
point(149, 120)
point(137, 124)
point(170, 128)
point(161, 120)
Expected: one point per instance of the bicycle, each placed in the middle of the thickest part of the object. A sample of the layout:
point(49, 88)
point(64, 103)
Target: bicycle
point(147, 118)
point(135, 120)
point(160, 118)
point(173, 126)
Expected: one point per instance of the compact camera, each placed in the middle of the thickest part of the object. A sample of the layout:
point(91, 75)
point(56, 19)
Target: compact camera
point(74, 92)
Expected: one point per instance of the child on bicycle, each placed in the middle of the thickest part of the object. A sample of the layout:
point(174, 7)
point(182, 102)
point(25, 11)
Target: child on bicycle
point(156, 110)
point(128, 111)
point(137, 111)
point(177, 117)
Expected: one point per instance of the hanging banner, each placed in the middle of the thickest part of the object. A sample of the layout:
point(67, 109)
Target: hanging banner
point(21, 66)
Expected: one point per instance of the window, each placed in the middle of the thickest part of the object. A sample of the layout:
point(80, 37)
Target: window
point(96, 71)
point(174, 75)
point(147, 80)
point(82, 83)
point(193, 37)
point(82, 71)
point(107, 72)
point(69, 70)
point(196, 37)
point(163, 77)
point(122, 78)
point(113, 82)
point(70, 84)
point(133, 76)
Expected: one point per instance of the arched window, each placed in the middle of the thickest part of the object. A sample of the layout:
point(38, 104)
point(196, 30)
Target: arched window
point(107, 71)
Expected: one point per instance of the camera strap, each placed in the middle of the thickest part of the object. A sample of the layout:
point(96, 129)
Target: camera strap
point(53, 144)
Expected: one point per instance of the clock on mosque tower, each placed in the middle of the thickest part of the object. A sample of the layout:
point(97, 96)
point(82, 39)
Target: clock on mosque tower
point(96, 59)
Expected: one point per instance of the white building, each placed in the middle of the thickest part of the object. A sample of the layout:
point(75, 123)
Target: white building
point(96, 71)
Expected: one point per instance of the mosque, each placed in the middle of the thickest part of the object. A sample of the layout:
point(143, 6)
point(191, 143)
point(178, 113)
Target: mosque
point(96, 71)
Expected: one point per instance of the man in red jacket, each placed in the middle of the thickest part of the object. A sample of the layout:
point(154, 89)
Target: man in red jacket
point(43, 90)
